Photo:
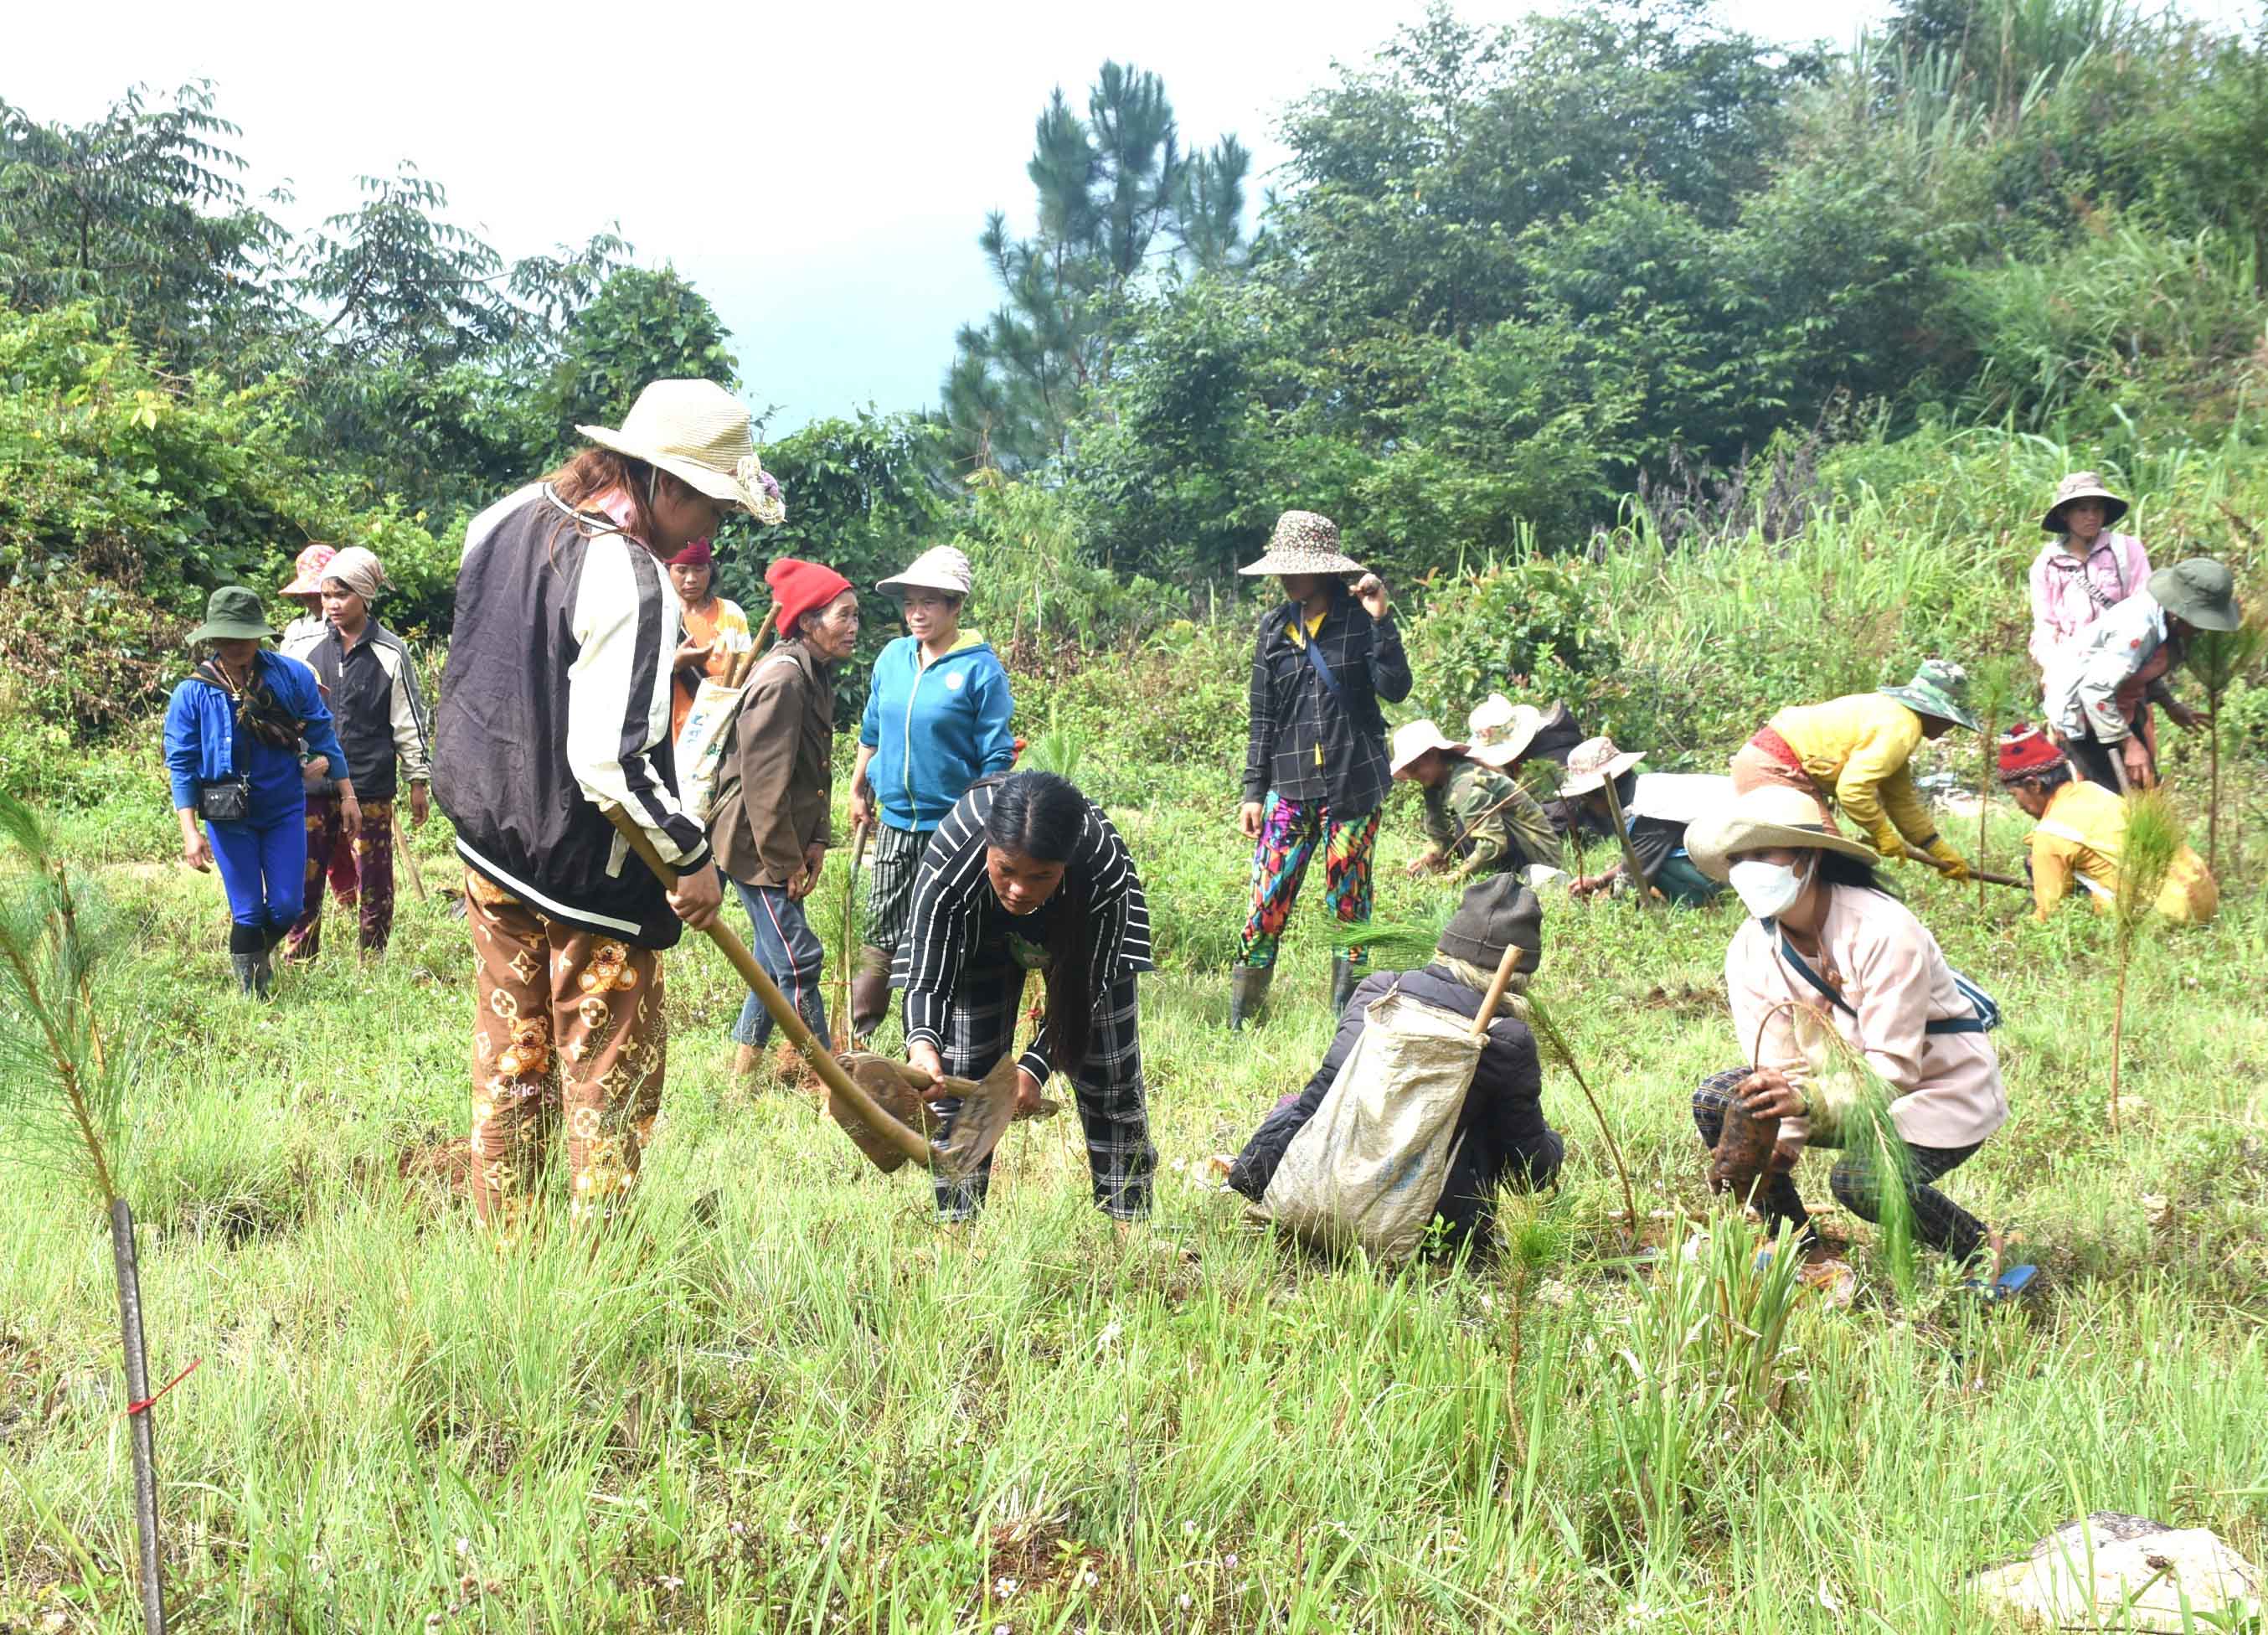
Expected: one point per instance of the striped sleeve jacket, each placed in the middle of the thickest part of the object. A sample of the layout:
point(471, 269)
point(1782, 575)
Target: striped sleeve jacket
point(555, 702)
point(949, 901)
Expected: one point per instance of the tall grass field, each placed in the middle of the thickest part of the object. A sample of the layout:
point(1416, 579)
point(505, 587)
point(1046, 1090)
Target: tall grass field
point(778, 1396)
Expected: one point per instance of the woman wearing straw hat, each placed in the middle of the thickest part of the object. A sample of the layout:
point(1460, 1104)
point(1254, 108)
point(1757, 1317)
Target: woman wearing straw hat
point(1855, 752)
point(1825, 936)
point(1473, 812)
point(937, 720)
point(1315, 771)
point(1656, 807)
point(2094, 687)
point(716, 629)
point(233, 736)
point(557, 706)
point(305, 591)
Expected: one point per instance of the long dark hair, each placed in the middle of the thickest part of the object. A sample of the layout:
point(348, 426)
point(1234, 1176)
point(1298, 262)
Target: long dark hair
point(1041, 816)
point(592, 471)
point(1838, 868)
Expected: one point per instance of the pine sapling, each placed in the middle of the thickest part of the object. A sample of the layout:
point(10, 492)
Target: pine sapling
point(2153, 838)
point(1539, 1019)
point(2218, 660)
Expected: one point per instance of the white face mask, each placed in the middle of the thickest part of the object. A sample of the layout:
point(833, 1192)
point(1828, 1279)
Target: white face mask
point(1767, 889)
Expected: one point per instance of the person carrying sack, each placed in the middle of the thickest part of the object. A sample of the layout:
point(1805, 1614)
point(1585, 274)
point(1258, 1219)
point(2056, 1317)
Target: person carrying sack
point(1315, 771)
point(557, 706)
point(232, 735)
point(1501, 1136)
point(1854, 752)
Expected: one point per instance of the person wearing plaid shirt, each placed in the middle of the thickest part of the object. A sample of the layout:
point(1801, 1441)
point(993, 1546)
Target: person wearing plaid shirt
point(1315, 762)
point(1025, 874)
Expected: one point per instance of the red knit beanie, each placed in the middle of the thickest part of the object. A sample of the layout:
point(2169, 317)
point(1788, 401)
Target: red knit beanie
point(697, 555)
point(2025, 751)
point(799, 586)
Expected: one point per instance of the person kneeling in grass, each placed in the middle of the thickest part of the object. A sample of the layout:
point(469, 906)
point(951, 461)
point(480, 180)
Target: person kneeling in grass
point(1825, 934)
point(1027, 874)
point(1656, 808)
point(1479, 820)
point(1502, 1137)
point(2082, 832)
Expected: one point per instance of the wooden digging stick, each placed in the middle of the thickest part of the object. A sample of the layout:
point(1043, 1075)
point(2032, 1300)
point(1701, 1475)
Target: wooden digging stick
point(1916, 854)
point(1497, 985)
point(850, 911)
point(1639, 881)
point(409, 859)
point(912, 1143)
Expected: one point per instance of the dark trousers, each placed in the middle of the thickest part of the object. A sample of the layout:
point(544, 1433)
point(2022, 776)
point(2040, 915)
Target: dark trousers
point(2099, 762)
point(1856, 1180)
point(981, 1028)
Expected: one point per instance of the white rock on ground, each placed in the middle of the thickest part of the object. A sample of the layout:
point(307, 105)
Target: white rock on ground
point(2116, 1571)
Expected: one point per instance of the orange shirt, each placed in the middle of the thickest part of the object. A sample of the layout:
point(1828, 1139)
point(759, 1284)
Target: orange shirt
point(719, 618)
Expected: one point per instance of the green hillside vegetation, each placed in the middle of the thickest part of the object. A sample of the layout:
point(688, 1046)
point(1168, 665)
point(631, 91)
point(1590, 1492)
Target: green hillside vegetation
point(1658, 370)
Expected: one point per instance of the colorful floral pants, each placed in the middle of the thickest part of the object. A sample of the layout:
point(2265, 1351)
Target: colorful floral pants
point(567, 1023)
point(367, 865)
point(1289, 831)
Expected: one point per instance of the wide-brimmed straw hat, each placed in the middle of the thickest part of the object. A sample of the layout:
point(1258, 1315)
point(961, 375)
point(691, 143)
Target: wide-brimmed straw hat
point(699, 432)
point(940, 568)
point(1414, 739)
point(1591, 763)
point(233, 613)
point(1937, 689)
point(2200, 591)
point(1305, 541)
point(1771, 815)
point(1501, 731)
point(308, 572)
point(2082, 485)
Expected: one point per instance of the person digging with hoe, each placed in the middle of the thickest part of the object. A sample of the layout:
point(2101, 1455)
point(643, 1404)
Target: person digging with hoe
point(232, 735)
point(2079, 832)
point(1315, 771)
point(370, 678)
point(557, 706)
point(1656, 810)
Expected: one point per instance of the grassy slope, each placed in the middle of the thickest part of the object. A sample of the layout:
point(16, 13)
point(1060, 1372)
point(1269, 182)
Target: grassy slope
point(783, 1398)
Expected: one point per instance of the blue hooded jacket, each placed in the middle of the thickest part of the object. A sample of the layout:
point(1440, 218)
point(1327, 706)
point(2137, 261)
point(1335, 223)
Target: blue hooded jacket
point(934, 731)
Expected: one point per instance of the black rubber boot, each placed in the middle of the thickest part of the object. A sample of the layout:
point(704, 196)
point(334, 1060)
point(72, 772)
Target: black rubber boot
point(1344, 974)
point(1248, 991)
point(247, 956)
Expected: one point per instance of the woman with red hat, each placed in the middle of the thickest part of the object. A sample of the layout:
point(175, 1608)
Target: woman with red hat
point(2081, 834)
point(715, 628)
point(776, 790)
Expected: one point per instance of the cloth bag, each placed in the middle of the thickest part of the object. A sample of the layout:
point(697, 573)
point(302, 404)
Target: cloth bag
point(701, 741)
point(1367, 1169)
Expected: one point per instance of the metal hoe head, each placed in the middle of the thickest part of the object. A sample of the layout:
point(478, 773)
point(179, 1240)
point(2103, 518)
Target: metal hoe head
point(958, 1146)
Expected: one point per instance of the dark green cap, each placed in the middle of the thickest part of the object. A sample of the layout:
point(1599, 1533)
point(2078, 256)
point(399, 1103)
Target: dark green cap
point(233, 613)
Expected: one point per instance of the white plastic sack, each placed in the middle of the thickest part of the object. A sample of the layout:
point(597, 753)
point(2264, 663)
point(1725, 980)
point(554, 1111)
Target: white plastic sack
point(1367, 1169)
point(701, 744)
point(1679, 797)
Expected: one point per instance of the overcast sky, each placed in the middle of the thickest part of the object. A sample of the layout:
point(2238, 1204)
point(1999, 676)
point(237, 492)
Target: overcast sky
point(820, 171)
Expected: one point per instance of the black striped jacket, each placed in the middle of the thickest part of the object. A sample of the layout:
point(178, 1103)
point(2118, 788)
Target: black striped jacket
point(555, 699)
point(951, 895)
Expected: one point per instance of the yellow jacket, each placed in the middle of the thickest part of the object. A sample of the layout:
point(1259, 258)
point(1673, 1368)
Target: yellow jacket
point(2079, 837)
point(1855, 749)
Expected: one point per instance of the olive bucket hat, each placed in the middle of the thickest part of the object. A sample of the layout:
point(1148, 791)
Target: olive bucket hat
point(2200, 591)
point(1937, 689)
point(233, 613)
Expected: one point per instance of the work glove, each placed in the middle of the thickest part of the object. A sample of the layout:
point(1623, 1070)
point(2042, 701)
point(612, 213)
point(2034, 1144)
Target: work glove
point(1950, 862)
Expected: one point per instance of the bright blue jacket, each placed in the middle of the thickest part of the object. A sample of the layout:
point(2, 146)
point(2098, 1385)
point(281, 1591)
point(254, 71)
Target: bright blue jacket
point(202, 740)
point(934, 731)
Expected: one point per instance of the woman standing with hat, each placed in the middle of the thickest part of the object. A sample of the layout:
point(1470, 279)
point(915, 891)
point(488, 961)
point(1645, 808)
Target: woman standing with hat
point(557, 706)
point(305, 591)
point(1315, 769)
point(774, 807)
point(714, 627)
point(936, 721)
point(1824, 935)
point(2094, 687)
point(233, 736)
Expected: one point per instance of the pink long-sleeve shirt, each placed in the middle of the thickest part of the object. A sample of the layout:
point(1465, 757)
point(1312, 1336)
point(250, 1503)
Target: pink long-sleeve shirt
point(2067, 597)
point(1945, 1087)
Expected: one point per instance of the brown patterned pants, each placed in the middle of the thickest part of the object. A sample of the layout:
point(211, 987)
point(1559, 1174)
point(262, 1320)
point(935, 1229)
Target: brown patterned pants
point(568, 1026)
point(363, 860)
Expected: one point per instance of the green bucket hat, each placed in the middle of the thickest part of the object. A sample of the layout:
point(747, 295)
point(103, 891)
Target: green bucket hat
point(1937, 689)
point(233, 613)
point(2200, 591)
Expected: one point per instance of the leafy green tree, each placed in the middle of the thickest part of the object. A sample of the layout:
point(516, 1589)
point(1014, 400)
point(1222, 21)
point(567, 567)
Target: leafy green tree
point(642, 326)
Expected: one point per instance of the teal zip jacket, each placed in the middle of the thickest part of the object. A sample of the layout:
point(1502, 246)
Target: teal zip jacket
point(934, 731)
